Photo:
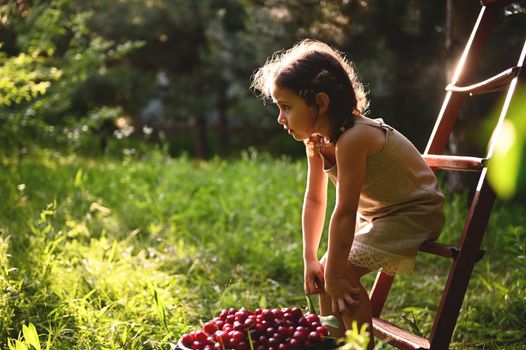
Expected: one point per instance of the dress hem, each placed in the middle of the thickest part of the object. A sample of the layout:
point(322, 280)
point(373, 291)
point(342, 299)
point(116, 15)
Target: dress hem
point(363, 255)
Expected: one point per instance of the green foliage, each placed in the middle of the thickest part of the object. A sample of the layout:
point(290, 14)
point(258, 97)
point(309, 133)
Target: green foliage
point(507, 168)
point(63, 60)
point(55, 54)
point(357, 339)
point(131, 253)
point(30, 340)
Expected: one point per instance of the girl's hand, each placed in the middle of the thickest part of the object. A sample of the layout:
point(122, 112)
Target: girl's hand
point(313, 278)
point(343, 294)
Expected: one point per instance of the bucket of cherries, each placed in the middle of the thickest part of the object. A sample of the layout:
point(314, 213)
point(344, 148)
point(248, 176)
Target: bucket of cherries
point(261, 329)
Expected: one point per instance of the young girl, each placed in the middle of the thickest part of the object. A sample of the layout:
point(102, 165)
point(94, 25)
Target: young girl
point(387, 198)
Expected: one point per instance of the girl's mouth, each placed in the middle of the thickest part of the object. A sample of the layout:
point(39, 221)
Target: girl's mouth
point(287, 129)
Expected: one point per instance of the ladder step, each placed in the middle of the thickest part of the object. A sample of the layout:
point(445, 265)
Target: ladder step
point(440, 249)
point(446, 251)
point(495, 83)
point(398, 337)
point(459, 163)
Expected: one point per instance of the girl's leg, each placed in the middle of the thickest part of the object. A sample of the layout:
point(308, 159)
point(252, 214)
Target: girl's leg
point(361, 314)
point(326, 310)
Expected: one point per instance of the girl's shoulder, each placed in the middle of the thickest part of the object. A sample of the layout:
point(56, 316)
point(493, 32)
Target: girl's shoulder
point(362, 135)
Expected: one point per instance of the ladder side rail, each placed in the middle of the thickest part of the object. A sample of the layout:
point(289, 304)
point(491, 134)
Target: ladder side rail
point(379, 292)
point(462, 267)
point(464, 72)
point(507, 101)
point(469, 245)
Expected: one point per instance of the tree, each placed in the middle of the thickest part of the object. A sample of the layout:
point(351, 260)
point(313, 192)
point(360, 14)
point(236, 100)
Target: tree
point(49, 52)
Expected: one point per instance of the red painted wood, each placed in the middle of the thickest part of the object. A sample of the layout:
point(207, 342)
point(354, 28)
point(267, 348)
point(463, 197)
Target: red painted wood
point(459, 163)
point(460, 272)
point(397, 336)
point(379, 292)
point(466, 69)
point(467, 252)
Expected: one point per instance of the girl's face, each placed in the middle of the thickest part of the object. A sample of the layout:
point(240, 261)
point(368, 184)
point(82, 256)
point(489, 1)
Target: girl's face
point(294, 114)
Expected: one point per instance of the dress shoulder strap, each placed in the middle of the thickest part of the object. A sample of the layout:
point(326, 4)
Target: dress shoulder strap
point(378, 122)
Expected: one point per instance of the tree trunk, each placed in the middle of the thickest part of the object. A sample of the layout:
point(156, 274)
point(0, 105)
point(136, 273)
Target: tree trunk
point(199, 128)
point(222, 127)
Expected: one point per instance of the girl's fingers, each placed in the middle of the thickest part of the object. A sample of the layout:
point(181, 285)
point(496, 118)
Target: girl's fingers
point(355, 290)
point(319, 282)
point(341, 305)
point(335, 308)
point(350, 300)
point(313, 287)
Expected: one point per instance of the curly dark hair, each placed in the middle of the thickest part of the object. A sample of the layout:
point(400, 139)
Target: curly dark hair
point(311, 67)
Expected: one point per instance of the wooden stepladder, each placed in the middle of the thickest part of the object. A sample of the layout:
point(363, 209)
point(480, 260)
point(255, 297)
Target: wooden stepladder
point(467, 251)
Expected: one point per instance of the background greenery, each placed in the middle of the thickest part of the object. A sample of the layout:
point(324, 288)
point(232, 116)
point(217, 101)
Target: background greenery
point(107, 254)
point(114, 235)
point(177, 72)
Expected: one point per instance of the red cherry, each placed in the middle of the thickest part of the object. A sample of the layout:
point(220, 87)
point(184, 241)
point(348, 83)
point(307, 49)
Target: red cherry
point(200, 336)
point(187, 339)
point(322, 330)
point(209, 328)
point(297, 313)
point(303, 322)
point(249, 322)
point(196, 344)
point(300, 336)
point(283, 331)
point(223, 314)
point(221, 336)
point(294, 343)
point(314, 325)
point(241, 315)
point(267, 315)
point(314, 337)
point(263, 340)
point(277, 313)
point(243, 345)
point(312, 318)
point(273, 342)
point(302, 329)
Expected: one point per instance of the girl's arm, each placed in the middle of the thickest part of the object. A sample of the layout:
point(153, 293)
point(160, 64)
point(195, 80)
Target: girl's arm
point(351, 155)
point(313, 217)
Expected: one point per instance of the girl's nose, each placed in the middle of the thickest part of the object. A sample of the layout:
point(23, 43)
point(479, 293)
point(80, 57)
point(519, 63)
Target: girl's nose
point(281, 120)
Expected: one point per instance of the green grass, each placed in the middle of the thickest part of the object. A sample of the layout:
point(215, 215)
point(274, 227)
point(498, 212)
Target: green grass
point(110, 254)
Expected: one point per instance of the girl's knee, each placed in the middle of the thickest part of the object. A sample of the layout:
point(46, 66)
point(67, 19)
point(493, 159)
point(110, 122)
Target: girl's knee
point(355, 273)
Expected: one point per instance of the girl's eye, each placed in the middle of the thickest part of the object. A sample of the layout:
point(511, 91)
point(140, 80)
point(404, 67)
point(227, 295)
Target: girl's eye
point(285, 108)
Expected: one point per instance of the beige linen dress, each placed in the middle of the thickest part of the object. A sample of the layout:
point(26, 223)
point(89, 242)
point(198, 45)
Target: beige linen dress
point(400, 205)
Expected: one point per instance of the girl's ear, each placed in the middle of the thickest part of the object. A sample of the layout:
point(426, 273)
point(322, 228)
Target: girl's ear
point(322, 102)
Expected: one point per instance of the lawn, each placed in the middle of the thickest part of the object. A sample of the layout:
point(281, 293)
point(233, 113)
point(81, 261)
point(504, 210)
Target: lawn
point(102, 253)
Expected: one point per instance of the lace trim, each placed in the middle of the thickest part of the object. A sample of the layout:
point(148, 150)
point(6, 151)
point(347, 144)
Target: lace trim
point(372, 258)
